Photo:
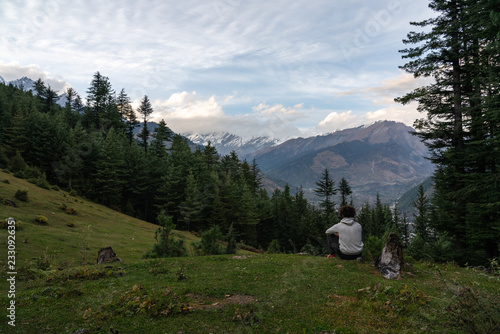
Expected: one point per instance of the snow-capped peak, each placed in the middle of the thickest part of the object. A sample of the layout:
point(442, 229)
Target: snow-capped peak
point(226, 142)
point(25, 82)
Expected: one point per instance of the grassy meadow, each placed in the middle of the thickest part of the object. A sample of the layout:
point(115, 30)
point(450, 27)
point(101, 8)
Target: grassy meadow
point(59, 289)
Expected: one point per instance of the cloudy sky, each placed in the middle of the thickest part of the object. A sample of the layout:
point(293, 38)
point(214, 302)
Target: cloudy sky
point(281, 68)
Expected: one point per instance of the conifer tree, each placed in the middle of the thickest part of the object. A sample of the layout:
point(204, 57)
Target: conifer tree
point(101, 112)
point(326, 190)
point(461, 127)
point(345, 191)
point(421, 219)
point(145, 109)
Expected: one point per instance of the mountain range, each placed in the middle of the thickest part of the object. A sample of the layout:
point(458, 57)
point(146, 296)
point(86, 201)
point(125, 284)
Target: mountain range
point(226, 142)
point(383, 158)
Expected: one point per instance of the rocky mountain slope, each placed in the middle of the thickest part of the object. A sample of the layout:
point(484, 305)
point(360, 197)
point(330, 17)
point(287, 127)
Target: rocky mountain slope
point(382, 158)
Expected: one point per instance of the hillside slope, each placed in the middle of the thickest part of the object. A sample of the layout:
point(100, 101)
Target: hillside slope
point(67, 239)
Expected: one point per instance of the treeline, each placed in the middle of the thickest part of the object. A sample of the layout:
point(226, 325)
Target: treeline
point(91, 150)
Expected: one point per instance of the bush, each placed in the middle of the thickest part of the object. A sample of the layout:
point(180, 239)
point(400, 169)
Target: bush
point(166, 245)
point(274, 247)
point(209, 244)
point(22, 195)
point(69, 211)
point(18, 164)
point(373, 248)
point(73, 193)
point(41, 220)
point(5, 224)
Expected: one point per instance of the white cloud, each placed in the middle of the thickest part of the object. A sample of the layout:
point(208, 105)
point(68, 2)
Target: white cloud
point(12, 71)
point(188, 112)
point(337, 121)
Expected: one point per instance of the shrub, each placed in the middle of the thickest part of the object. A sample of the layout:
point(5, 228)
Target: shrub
point(73, 193)
point(69, 211)
point(55, 187)
point(22, 195)
point(274, 247)
point(166, 245)
point(209, 244)
point(18, 164)
point(5, 224)
point(32, 173)
point(41, 220)
point(42, 182)
point(373, 248)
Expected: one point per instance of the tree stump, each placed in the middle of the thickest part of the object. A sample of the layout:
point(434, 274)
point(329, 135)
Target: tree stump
point(106, 255)
point(391, 261)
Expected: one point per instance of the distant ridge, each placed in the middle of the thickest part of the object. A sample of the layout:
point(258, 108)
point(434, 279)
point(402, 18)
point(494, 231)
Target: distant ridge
point(382, 158)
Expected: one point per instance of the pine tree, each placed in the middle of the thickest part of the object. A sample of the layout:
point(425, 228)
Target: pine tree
point(145, 109)
point(345, 191)
point(101, 112)
point(191, 207)
point(461, 128)
point(421, 219)
point(161, 135)
point(109, 179)
point(326, 190)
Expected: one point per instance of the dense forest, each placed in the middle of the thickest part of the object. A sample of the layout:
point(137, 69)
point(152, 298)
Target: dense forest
point(90, 149)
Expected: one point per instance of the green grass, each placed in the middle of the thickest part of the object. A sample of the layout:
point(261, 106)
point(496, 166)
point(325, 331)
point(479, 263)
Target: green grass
point(247, 293)
point(72, 239)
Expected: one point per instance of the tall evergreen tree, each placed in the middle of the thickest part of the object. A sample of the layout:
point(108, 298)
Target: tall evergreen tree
point(345, 191)
point(101, 112)
point(462, 124)
point(326, 190)
point(145, 109)
point(421, 218)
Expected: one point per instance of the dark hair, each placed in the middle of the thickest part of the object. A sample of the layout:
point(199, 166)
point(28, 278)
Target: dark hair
point(347, 211)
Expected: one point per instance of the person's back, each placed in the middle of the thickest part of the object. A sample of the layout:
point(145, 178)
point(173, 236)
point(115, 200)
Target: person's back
point(344, 238)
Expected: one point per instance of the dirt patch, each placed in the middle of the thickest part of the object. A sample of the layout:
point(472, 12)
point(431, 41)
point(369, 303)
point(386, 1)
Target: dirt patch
point(240, 257)
point(204, 303)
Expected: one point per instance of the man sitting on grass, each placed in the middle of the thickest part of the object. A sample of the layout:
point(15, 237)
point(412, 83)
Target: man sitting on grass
point(344, 238)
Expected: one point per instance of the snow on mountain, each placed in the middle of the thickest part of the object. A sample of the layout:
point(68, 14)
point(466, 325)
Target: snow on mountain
point(25, 83)
point(226, 142)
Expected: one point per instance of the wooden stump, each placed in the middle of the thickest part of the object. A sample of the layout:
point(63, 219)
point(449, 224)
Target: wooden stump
point(391, 261)
point(106, 255)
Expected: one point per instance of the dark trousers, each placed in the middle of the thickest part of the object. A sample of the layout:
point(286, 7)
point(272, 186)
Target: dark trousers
point(334, 248)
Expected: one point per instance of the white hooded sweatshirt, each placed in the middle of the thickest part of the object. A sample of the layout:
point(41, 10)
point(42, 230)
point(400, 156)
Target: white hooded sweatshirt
point(349, 233)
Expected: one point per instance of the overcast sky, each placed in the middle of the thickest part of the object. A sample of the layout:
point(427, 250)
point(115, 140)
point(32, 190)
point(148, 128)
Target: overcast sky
point(282, 68)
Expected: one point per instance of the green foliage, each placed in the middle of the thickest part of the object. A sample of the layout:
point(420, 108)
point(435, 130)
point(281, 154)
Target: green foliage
point(274, 247)
point(22, 195)
point(166, 245)
point(41, 220)
point(231, 241)
point(210, 242)
point(461, 122)
point(17, 226)
point(372, 248)
point(18, 164)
